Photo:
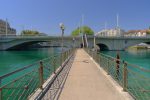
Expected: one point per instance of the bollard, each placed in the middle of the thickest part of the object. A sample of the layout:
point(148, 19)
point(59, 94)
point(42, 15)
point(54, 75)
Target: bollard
point(41, 75)
point(125, 77)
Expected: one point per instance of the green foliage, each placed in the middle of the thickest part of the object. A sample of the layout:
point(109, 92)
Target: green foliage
point(85, 29)
point(30, 32)
point(148, 32)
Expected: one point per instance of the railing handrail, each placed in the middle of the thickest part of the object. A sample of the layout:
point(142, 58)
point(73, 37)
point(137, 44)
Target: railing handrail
point(18, 70)
point(16, 79)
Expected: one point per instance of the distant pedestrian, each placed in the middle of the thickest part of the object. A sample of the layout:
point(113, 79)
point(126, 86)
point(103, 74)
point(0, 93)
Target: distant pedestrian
point(117, 64)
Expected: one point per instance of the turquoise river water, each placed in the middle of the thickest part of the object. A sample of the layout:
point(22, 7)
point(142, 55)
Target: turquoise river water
point(137, 57)
point(12, 60)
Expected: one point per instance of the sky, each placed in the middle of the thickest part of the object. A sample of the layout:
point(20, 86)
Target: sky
point(46, 15)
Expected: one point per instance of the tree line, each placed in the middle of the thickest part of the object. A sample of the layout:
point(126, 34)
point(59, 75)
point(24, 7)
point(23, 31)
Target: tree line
point(77, 32)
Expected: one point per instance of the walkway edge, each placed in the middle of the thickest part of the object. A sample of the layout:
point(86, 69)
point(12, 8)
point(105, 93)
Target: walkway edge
point(38, 92)
point(126, 95)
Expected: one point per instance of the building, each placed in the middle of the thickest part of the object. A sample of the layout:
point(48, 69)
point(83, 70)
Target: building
point(111, 32)
point(4, 26)
point(139, 33)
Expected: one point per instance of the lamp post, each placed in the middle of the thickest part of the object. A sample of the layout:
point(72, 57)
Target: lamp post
point(73, 42)
point(62, 27)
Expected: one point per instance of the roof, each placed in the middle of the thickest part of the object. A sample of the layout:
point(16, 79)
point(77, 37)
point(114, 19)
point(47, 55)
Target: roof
point(136, 31)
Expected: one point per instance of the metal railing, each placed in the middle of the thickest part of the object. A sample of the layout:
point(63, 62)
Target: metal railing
point(54, 87)
point(133, 79)
point(19, 84)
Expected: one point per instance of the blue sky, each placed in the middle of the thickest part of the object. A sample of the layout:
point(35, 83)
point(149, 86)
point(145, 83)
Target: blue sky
point(45, 15)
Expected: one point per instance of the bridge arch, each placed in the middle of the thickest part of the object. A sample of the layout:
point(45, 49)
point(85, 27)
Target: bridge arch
point(24, 44)
point(102, 47)
point(133, 43)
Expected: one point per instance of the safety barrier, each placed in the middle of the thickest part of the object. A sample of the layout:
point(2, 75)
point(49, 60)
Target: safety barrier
point(19, 84)
point(134, 79)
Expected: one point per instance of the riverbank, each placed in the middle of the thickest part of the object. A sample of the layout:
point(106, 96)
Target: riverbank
point(138, 47)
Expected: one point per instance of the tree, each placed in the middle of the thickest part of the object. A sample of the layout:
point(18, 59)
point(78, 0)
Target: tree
point(85, 30)
point(30, 33)
point(148, 32)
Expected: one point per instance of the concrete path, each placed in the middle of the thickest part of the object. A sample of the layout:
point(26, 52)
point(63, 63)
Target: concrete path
point(86, 82)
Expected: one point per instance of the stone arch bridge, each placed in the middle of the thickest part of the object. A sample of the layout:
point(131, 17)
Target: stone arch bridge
point(7, 43)
point(117, 43)
point(109, 43)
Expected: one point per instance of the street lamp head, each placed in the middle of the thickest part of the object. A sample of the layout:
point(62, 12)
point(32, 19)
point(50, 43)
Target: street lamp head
point(62, 26)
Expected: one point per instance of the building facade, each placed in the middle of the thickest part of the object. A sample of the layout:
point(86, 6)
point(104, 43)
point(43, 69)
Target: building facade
point(138, 33)
point(111, 32)
point(5, 28)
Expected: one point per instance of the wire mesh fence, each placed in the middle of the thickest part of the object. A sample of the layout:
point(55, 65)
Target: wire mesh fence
point(19, 84)
point(133, 79)
point(51, 93)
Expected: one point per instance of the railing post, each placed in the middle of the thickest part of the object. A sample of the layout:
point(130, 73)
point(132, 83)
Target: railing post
point(1, 96)
point(99, 60)
point(0, 82)
point(54, 64)
point(96, 57)
point(61, 58)
point(107, 66)
point(69, 52)
point(65, 55)
point(125, 76)
point(41, 75)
